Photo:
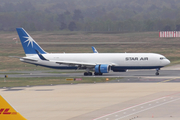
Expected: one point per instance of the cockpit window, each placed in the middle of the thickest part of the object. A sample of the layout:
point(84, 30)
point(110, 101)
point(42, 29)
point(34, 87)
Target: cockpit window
point(161, 58)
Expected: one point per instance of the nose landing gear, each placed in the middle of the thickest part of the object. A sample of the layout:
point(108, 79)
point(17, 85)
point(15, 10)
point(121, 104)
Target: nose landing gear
point(157, 71)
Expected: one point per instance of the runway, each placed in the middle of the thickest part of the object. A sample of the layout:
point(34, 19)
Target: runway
point(130, 73)
point(140, 95)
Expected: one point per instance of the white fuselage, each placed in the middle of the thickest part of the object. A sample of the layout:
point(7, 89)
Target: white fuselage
point(121, 60)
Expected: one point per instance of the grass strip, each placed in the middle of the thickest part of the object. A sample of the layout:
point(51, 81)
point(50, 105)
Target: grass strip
point(38, 81)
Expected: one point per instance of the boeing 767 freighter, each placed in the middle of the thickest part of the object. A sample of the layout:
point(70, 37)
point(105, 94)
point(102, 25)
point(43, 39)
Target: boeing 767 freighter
point(90, 62)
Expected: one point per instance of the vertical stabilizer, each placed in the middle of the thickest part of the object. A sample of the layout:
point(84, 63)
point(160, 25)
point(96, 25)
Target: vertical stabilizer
point(28, 43)
point(7, 112)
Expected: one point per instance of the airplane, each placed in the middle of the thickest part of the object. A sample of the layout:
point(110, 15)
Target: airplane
point(94, 49)
point(98, 63)
point(7, 112)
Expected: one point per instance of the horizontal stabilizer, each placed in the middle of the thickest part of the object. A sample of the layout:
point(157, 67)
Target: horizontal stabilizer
point(27, 59)
point(15, 57)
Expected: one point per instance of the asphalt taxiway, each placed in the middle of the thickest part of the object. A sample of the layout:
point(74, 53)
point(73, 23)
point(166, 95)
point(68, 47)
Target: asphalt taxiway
point(130, 73)
point(140, 95)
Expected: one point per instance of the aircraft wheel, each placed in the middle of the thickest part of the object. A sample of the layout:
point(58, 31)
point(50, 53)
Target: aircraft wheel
point(90, 73)
point(157, 73)
point(96, 73)
point(85, 73)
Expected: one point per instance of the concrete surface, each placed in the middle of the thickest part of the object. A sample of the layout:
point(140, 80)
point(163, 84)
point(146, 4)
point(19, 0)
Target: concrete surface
point(72, 102)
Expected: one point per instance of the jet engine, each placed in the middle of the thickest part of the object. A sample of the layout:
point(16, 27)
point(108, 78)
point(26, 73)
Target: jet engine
point(102, 68)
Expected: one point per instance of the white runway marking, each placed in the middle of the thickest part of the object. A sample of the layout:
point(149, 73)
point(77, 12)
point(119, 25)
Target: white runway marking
point(151, 104)
point(148, 108)
point(129, 108)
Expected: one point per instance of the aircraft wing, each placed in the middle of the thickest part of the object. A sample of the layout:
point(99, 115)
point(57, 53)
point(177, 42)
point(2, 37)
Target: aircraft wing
point(74, 63)
point(64, 62)
point(94, 49)
point(79, 63)
point(70, 62)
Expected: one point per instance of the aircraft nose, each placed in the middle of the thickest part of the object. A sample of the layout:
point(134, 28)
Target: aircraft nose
point(168, 62)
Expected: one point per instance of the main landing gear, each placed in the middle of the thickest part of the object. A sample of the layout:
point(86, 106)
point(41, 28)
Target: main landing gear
point(90, 73)
point(87, 73)
point(157, 71)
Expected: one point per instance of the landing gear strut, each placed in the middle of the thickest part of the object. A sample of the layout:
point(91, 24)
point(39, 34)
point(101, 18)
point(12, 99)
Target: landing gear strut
point(157, 71)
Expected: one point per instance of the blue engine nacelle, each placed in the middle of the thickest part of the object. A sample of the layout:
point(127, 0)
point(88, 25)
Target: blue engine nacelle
point(102, 68)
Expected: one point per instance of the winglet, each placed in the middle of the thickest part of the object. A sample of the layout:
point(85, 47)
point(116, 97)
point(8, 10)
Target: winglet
point(7, 112)
point(41, 56)
point(94, 49)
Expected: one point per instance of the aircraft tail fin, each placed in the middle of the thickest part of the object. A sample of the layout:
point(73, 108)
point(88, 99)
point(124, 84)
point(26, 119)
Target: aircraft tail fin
point(7, 112)
point(28, 43)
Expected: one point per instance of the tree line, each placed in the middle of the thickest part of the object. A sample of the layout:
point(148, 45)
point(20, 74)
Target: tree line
point(108, 17)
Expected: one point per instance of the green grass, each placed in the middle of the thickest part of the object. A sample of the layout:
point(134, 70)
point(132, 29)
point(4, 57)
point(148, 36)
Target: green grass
point(19, 82)
point(147, 42)
point(6, 73)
